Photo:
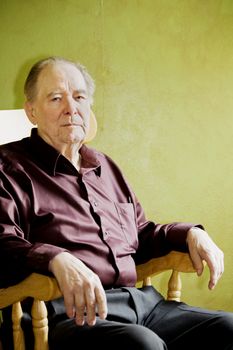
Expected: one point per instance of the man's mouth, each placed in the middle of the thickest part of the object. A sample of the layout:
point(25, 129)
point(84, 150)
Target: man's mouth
point(73, 124)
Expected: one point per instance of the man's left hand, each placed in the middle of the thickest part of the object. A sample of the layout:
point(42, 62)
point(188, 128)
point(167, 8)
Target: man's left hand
point(202, 248)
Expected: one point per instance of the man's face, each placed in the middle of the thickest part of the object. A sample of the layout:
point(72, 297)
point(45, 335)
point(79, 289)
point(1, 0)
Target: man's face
point(61, 108)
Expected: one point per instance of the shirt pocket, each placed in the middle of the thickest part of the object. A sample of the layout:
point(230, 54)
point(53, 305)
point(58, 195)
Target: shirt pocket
point(127, 221)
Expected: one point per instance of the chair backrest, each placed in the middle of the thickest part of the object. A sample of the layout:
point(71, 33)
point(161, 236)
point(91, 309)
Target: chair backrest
point(15, 125)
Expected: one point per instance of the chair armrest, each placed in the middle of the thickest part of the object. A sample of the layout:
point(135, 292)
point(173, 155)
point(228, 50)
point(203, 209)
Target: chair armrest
point(46, 288)
point(37, 286)
point(175, 261)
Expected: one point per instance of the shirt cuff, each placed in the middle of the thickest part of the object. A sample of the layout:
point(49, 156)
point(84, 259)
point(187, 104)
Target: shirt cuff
point(177, 235)
point(40, 255)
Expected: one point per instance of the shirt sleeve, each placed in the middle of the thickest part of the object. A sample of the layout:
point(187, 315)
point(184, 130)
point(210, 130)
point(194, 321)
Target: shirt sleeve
point(18, 256)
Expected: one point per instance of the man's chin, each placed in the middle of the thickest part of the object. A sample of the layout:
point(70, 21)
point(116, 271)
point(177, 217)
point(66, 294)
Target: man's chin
point(77, 139)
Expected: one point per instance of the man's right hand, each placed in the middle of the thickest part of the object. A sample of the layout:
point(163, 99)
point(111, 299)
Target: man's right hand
point(83, 292)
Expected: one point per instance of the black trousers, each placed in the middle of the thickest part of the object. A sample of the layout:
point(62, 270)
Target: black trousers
point(137, 319)
point(142, 319)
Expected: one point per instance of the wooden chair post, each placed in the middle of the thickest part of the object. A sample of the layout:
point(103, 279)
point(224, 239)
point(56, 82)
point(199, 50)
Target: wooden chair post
point(18, 336)
point(146, 281)
point(40, 325)
point(174, 286)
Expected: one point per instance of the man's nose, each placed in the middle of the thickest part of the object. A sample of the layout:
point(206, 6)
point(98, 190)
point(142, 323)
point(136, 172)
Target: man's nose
point(70, 106)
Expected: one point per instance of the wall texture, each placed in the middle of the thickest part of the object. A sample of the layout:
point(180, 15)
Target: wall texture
point(164, 101)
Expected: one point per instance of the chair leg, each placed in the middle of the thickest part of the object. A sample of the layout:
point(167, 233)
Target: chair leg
point(40, 325)
point(18, 336)
point(146, 281)
point(174, 286)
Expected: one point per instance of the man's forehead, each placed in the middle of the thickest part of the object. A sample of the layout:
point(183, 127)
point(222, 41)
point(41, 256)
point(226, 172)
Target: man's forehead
point(61, 74)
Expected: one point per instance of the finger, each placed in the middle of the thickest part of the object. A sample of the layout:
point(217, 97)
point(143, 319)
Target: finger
point(221, 263)
point(80, 308)
point(101, 303)
point(213, 280)
point(215, 270)
point(197, 261)
point(90, 307)
point(69, 305)
point(216, 267)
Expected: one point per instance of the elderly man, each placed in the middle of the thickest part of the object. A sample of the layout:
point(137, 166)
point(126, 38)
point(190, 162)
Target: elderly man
point(67, 210)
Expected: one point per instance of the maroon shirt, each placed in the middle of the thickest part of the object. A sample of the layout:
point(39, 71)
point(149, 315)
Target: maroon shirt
point(47, 207)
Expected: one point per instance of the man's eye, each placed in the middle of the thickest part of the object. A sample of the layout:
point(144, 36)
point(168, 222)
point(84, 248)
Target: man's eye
point(56, 98)
point(79, 97)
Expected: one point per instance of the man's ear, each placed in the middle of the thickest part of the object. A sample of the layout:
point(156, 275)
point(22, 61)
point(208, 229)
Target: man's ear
point(28, 107)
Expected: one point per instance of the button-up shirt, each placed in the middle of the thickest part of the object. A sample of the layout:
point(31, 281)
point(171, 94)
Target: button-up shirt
point(48, 207)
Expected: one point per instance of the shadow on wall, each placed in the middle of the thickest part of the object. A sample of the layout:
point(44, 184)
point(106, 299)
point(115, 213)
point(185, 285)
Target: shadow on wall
point(20, 79)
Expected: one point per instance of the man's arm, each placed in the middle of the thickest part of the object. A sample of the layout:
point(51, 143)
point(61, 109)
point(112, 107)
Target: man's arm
point(158, 240)
point(18, 256)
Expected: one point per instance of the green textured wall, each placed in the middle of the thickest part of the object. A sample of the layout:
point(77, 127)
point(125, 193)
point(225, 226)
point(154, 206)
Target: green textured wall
point(164, 101)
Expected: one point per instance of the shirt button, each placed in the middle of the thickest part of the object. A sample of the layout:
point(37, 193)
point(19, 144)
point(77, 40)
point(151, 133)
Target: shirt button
point(95, 203)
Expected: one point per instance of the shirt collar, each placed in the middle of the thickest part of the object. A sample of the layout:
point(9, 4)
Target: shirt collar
point(50, 158)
